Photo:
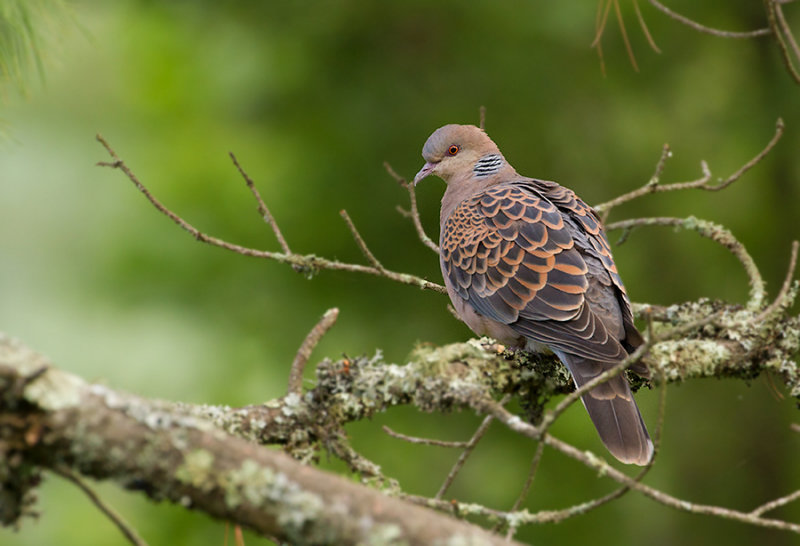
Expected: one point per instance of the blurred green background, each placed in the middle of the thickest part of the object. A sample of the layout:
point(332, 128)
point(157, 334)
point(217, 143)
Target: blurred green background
point(313, 97)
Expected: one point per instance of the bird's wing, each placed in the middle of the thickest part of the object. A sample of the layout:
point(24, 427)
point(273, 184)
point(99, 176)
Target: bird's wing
point(512, 255)
point(591, 240)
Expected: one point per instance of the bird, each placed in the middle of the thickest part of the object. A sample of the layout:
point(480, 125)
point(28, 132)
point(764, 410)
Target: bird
point(527, 262)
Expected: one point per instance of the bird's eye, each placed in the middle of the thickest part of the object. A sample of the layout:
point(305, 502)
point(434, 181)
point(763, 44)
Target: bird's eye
point(453, 150)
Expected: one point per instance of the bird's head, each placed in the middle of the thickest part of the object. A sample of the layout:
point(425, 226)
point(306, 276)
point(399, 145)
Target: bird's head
point(459, 151)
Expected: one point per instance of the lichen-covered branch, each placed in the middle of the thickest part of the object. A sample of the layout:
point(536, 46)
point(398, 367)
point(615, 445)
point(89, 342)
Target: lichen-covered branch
point(196, 454)
point(57, 419)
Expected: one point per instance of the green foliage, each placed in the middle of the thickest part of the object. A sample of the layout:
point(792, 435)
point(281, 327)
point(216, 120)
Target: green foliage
point(25, 26)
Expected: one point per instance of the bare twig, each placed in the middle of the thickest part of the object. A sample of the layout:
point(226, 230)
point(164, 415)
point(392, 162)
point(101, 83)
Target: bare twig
point(304, 352)
point(604, 469)
point(523, 494)
point(599, 25)
point(779, 127)
point(780, 29)
point(787, 283)
point(645, 30)
point(526, 487)
point(624, 33)
point(777, 503)
point(716, 233)
point(360, 242)
point(414, 214)
point(482, 117)
point(308, 263)
point(423, 441)
point(262, 207)
point(708, 30)
point(479, 433)
point(653, 185)
point(664, 498)
point(784, 26)
point(127, 531)
point(600, 21)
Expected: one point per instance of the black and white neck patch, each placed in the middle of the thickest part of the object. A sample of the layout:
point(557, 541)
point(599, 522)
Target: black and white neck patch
point(488, 165)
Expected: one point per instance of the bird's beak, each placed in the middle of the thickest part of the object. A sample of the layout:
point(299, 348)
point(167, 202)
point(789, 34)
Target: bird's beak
point(424, 171)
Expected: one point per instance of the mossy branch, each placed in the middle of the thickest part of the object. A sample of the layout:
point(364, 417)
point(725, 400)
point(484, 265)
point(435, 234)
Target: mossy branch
point(208, 457)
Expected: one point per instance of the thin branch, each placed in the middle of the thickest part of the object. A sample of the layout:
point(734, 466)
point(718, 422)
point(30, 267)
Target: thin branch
point(600, 21)
point(127, 531)
point(479, 433)
point(262, 207)
point(482, 117)
point(780, 29)
point(786, 30)
point(779, 301)
point(582, 508)
point(645, 30)
point(624, 33)
point(716, 233)
point(708, 30)
point(423, 441)
point(526, 487)
point(654, 186)
point(304, 352)
point(556, 516)
point(605, 469)
point(414, 214)
point(360, 242)
point(308, 263)
point(779, 127)
point(523, 494)
point(777, 503)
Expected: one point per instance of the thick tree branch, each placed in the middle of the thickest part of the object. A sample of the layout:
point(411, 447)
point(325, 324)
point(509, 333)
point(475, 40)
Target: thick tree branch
point(186, 460)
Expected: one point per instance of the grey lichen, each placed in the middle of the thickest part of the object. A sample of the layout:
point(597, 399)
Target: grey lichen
point(197, 470)
point(290, 504)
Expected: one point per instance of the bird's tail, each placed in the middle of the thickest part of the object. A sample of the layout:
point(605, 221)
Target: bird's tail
point(613, 411)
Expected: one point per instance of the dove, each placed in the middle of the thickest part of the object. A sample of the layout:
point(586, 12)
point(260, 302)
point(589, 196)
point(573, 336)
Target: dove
point(526, 262)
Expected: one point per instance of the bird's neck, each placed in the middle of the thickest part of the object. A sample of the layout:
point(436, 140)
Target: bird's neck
point(472, 183)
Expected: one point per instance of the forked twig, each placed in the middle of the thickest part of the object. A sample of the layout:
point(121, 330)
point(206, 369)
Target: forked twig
point(360, 242)
point(665, 498)
point(308, 263)
point(777, 503)
point(604, 469)
point(526, 487)
point(479, 433)
point(262, 207)
point(414, 213)
point(704, 182)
